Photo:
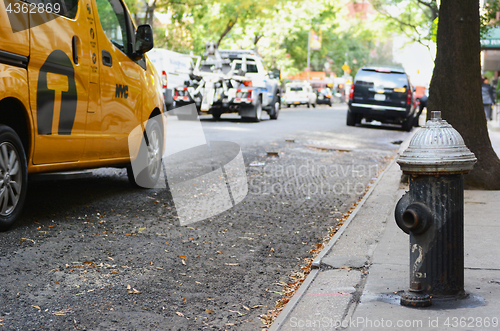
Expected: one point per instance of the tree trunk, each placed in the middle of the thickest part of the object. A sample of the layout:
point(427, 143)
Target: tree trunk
point(149, 13)
point(455, 87)
point(152, 14)
point(229, 26)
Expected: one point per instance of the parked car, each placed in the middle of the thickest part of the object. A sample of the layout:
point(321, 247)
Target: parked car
point(324, 96)
point(173, 68)
point(299, 93)
point(382, 93)
point(72, 90)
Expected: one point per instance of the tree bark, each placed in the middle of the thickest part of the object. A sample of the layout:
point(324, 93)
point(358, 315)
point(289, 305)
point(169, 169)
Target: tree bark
point(229, 26)
point(455, 87)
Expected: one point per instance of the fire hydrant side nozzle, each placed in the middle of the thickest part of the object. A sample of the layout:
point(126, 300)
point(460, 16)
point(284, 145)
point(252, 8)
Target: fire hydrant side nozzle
point(431, 212)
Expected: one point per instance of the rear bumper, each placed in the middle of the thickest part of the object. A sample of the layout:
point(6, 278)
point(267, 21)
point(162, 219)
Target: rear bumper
point(381, 113)
point(296, 102)
point(324, 101)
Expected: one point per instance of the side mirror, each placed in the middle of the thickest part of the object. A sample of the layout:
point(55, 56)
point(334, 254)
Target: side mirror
point(143, 40)
point(270, 74)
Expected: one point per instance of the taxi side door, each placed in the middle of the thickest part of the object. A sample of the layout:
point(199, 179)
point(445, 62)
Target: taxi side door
point(120, 78)
point(58, 72)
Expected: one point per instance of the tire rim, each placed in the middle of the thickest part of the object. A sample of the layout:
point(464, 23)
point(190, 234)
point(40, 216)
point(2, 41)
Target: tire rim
point(153, 153)
point(10, 178)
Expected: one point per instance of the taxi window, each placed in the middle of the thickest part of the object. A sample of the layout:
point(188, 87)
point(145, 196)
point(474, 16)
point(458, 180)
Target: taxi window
point(66, 8)
point(113, 22)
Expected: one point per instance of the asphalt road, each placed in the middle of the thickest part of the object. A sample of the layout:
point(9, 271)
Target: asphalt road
point(97, 254)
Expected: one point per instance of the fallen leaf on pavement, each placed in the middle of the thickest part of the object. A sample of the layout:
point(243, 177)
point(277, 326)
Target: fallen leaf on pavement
point(183, 257)
point(62, 312)
point(132, 290)
point(208, 311)
point(37, 307)
point(180, 314)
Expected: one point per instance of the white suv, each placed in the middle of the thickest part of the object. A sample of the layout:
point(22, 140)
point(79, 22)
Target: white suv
point(299, 93)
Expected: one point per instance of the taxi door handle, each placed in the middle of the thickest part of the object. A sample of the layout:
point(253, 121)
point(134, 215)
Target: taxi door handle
point(107, 59)
point(75, 49)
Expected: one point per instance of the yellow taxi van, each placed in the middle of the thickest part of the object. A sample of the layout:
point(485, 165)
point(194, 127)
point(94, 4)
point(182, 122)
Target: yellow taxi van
point(74, 83)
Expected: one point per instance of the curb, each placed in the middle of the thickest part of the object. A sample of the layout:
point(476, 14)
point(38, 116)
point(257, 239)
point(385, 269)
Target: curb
point(315, 267)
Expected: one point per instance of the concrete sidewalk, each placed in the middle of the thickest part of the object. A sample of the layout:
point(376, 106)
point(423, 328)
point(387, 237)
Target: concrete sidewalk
point(357, 284)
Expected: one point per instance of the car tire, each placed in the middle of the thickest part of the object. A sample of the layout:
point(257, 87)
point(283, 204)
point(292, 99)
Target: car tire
point(408, 124)
point(351, 118)
point(14, 175)
point(258, 111)
point(216, 116)
point(149, 158)
point(275, 108)
point(308, 105)
point(314, 105)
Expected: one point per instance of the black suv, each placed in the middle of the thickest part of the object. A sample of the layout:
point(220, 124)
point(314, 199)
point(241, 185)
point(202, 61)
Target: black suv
point(382, 93)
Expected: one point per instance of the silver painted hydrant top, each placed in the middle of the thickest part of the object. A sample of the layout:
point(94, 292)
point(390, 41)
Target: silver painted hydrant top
point(437, 148)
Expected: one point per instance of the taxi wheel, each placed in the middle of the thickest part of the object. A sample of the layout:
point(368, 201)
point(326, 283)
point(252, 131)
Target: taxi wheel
point(13, 177)
point(149, 160)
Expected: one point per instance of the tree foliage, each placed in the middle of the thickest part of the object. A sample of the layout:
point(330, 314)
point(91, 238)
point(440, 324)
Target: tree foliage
point(277, 29)
point(415, 19)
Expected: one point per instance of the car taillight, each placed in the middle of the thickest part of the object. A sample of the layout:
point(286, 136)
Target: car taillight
point(247, 83)
point(351, 95)
point(181, 93)
point(408, 96)
point(164, 79)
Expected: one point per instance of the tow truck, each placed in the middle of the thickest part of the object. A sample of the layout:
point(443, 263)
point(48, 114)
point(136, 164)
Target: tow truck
point(229, 82)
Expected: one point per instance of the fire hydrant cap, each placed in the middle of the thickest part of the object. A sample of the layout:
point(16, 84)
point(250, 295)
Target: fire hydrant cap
point(437, 148)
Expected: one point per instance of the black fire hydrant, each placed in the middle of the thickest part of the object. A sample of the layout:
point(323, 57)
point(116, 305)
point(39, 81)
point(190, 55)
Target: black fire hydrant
point(432, 211)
